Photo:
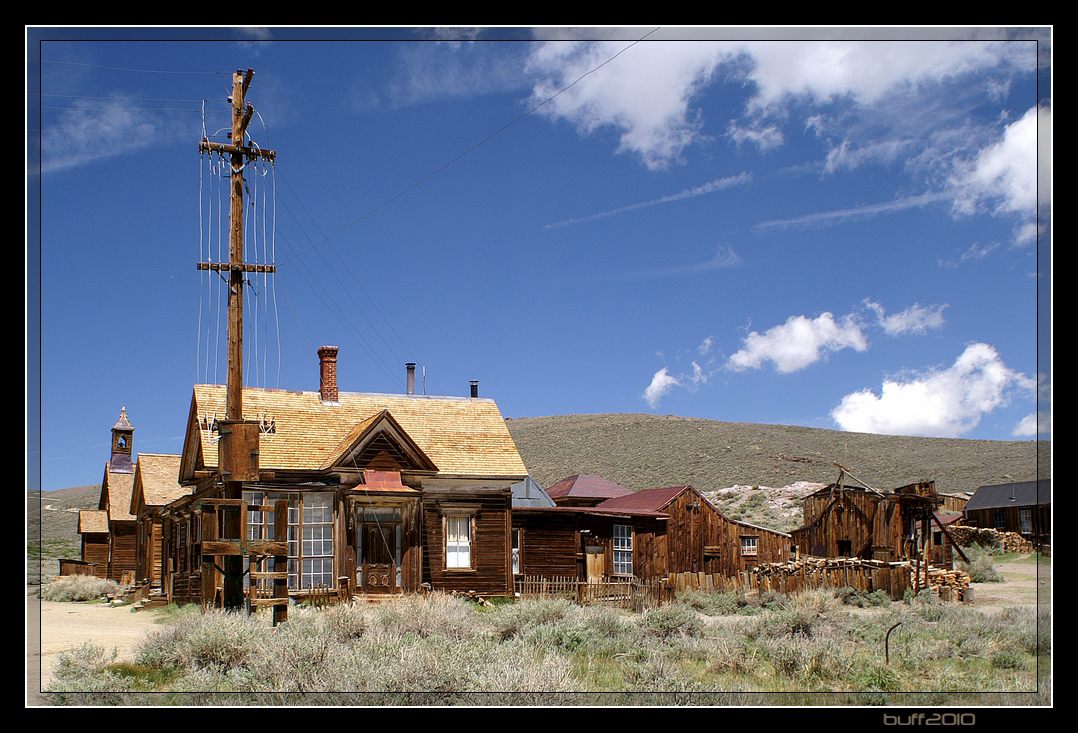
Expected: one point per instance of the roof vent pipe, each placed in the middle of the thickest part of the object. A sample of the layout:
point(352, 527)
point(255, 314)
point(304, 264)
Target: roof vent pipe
point(411, 377)
point(475, 388)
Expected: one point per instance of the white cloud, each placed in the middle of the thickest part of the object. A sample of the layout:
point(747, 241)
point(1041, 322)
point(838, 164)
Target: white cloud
point(101, 129)
point(915, 319)
point(1033, 425)
point(798, 343)
point(645, 95)
point(940, 403)
point(1005, 173)
point(661, 383)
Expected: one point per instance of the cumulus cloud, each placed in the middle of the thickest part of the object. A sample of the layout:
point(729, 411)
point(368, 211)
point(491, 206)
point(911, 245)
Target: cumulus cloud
point(940, 403)
point(661, 383)
point(1008, 174)
point(799, 342)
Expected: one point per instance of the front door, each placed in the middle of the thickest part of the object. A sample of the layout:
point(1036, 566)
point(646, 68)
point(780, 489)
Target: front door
point(378, 549)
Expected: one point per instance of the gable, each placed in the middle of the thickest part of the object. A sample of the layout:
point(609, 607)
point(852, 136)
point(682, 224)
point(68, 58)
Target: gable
point(379, 443)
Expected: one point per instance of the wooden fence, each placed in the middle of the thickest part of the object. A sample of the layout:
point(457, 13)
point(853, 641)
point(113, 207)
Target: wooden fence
point(619, 592)
point(894, 578)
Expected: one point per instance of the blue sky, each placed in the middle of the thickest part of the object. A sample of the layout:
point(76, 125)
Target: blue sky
point(844, 229)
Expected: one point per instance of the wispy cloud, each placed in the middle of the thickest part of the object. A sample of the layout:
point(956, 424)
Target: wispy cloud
point(716, 185)
point(724, 257)
point(940, 402)
point(857, 212)
point(915, 319)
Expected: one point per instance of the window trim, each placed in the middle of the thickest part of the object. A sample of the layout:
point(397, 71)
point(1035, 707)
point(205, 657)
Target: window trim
point(466, 519)
point(747, 542)
point(624, 550)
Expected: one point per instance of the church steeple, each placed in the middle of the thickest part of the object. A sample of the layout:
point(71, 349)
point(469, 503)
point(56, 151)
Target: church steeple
point(122, 438)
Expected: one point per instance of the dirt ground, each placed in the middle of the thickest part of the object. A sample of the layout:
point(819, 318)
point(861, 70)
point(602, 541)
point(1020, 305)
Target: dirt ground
point(55, 627)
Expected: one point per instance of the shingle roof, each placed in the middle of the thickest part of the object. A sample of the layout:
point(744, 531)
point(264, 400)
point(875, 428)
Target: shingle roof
point(93, 520)
point(119, 486)
point(1026, 493)
point(158, 476)
point(586, 486)
point(461, 436)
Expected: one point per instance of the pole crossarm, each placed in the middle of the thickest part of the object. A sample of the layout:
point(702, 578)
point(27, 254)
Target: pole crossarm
point(205, 146)
point(229, 267)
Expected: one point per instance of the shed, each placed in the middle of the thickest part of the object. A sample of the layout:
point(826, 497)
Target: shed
point(1024, 507)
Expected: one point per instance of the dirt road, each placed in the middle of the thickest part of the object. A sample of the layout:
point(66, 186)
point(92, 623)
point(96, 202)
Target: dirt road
point(55, 627)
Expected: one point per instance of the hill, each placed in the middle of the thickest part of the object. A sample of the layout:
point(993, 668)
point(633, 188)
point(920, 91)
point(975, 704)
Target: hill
point(642, 451)
point(52, 526)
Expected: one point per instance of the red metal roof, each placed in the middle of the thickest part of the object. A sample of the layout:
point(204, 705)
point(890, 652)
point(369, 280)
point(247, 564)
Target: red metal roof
point(648, 500)
point(586, 486)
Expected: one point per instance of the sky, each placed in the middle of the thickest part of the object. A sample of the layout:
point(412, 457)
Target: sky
point(835, 228)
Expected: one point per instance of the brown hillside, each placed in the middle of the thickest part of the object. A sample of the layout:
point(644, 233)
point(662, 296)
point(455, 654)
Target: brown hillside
point(642, 451)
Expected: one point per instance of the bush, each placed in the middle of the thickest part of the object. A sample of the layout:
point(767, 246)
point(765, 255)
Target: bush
point(70, 588)
point(980, 567)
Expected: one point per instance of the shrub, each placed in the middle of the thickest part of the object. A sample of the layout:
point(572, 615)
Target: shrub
point(69, 588)
point(671, 620)
point(980, 567)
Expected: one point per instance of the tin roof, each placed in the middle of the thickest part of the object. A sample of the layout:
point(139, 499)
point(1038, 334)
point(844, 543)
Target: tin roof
point(586, 486)
point(1025, 493)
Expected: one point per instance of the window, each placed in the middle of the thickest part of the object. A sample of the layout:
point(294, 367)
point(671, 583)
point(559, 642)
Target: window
point(516, 550)
point(623, 549)
point(458, 542)
point(999, 520)
point(1025, 520)
point(310, 534)
point(748, 546)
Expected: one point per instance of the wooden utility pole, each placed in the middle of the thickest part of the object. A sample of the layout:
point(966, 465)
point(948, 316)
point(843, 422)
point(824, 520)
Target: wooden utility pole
point(237, 451)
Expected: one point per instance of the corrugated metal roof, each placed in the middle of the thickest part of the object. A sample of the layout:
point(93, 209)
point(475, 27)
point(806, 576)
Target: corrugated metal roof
point(461, 436)
point(586, 486)
point(648, 500)
point(1026, 493)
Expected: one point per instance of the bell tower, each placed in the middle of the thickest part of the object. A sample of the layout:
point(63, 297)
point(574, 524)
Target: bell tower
point(122, 438)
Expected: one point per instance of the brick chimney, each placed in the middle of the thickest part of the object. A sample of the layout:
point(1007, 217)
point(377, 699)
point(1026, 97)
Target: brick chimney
point(327, 359)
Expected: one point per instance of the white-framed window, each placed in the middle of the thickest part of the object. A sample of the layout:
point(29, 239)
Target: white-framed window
point(458, 541)
point(310, 534)
point(1025, 521)
point(623, 549)
point(748, 547)
point(516, 550)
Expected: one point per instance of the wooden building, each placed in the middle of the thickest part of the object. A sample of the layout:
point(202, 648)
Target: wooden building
point(156, 484)
point(1024, 507)
point(113, 551)
point(644, 534)
point(385, 493)
point(844, 520)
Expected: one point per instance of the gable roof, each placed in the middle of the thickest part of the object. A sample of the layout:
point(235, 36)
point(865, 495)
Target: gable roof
point(528, 494)
point(648, 500)
point(93, 520)
point(156, 480)
point(460, 436)
point(586, 486)
point(1026, 493)
point(116, 489)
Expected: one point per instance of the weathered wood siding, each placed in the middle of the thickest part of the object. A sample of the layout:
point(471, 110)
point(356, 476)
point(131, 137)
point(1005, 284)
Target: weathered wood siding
point(95, 549)
point(550, 544)
point(122, 552)
point(489, 574)
point(851, 523)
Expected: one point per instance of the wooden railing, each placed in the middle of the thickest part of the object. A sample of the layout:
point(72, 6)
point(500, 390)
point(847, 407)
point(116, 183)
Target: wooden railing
point(621, 592)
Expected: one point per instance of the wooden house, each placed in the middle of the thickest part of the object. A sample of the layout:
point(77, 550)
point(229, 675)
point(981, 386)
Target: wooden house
point(93, 531)
point(156, 484)
point(843, 520)
point(644, 534)
point(385, 493)
point(1024, 507)
point(114, 548)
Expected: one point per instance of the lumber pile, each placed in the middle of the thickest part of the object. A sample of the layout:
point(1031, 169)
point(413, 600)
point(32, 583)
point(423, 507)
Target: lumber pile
point(895, 578)
point(987, 537)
